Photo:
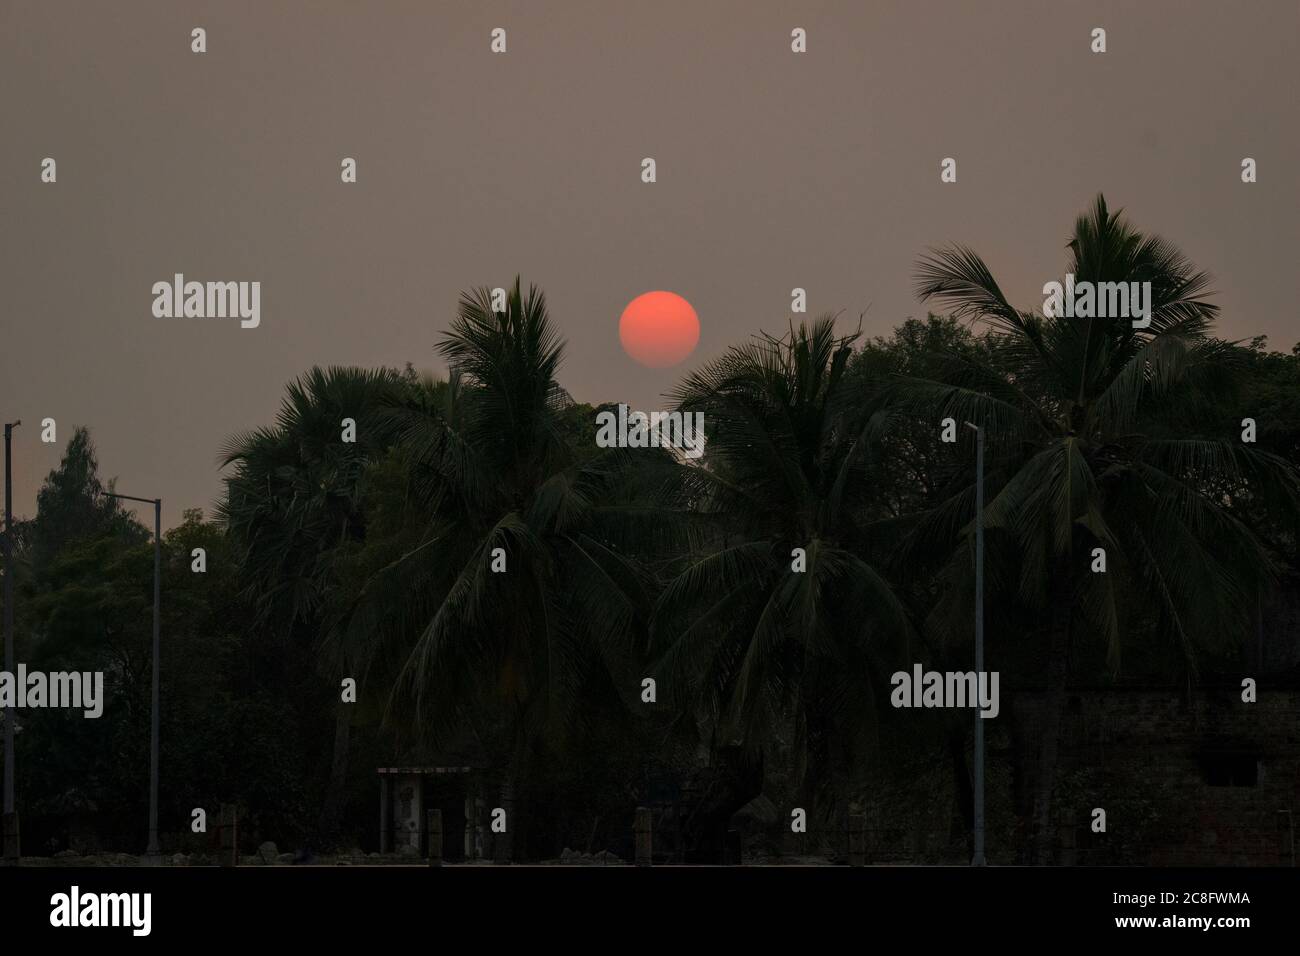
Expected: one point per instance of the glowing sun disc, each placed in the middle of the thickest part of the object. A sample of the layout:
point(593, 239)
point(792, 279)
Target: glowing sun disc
point(659, 329)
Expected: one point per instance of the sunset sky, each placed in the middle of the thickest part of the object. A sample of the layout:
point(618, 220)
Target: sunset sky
point(775, 170)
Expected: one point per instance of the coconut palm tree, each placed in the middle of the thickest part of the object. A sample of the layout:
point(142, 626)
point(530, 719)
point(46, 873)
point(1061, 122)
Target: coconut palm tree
point(292, 504)
point(514, 600)
point(775, 624)
point(1100, 435)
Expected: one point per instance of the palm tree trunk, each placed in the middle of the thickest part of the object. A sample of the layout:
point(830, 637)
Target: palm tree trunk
point(332, 810)
point(1058, 668)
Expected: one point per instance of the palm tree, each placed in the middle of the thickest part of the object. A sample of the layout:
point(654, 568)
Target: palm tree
point(514, 600)
point(1092, 428)
point(755, 637)
point(292, 504)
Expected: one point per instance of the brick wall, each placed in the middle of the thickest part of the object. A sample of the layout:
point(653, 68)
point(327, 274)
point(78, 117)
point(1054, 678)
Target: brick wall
point(1211, 781)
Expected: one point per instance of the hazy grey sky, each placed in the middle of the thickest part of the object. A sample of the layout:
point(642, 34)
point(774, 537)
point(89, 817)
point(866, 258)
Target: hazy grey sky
point(775, 170)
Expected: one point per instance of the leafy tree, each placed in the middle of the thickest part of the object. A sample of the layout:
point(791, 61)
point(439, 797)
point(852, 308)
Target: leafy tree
point(511, 657)
point(755, 639)
point(1077, 413)
point(292, 502)
point(71, 506)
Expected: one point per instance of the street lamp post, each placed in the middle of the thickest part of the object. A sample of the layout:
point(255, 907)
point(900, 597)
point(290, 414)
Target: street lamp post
point(978, 858)
point(12, 845)
point(153, 850)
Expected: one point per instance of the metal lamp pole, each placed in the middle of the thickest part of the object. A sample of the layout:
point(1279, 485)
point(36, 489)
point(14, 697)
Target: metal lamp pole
point(153, 849)
point(978, 859)
point(12, 846)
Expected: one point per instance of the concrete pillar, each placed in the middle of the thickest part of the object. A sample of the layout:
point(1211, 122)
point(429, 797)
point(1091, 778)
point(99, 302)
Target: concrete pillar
point(503, 843)
point(469, 822)
point(435, 837)
point(1067, 838)
point(641, 831)
point(408, 815)
point(228, 834)
point(473, 835)
point(480, 830)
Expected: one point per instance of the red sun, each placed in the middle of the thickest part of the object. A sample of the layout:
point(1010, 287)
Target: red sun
point(659, 329)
